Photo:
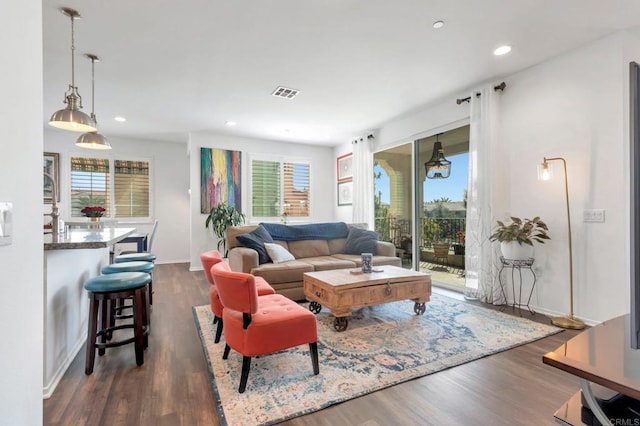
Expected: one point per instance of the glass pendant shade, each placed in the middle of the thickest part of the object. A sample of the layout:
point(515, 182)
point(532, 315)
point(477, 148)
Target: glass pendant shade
point(71, 118)
point(545, 172)
point(438, 167)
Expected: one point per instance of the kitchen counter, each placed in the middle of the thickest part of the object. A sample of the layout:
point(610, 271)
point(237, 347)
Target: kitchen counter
point(70, 259)
point(86, 238)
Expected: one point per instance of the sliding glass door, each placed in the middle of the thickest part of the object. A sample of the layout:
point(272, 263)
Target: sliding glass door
point(393, 199)
point(425, 218)
point(441, 209)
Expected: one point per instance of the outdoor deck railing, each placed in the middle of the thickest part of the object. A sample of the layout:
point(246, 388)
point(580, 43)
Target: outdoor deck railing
point(398, 231)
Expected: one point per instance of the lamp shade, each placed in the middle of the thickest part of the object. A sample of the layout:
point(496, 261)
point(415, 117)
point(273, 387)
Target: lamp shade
point(93, 140)
point(71, 118)
point(438, 167)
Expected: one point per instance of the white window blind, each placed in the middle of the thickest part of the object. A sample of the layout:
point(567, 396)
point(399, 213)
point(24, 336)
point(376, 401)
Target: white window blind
point(131, 188)
point(265, 187)
point(278, 187)
point(296, 189)
point(89, 184)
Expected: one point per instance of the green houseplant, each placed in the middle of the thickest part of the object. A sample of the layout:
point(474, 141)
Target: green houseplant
point(517, 238)
point(220, 218)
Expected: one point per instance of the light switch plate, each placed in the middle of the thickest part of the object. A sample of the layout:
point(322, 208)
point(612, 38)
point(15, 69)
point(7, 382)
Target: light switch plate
point(593, 215)
point(6, 223)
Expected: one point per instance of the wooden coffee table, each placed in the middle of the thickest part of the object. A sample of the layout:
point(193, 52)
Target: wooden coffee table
point(343, 290)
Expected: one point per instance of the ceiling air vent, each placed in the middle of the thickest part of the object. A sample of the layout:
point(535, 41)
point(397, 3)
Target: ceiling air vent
point(284, 92)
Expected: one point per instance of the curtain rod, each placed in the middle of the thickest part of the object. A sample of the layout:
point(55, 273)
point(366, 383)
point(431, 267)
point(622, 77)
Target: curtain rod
point(500, 87)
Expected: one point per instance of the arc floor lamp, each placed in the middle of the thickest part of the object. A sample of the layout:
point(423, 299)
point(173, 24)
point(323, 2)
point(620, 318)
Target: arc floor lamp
point(545, 173)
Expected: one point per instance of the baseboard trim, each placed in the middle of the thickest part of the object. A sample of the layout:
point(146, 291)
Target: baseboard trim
point(50, 387)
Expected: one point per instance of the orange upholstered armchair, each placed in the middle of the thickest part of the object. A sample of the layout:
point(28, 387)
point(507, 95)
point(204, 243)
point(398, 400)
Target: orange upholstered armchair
point(261, 325)
point(209, 259)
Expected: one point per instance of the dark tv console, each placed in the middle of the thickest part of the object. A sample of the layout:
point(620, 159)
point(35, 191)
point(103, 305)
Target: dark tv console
point(601, 355)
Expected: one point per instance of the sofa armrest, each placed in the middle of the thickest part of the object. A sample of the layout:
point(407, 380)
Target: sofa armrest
point(385, 248)
point(243, 259)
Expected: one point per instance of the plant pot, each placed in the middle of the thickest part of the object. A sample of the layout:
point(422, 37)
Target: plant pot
point(513, 250)
point(94, 219)
point(458, 249)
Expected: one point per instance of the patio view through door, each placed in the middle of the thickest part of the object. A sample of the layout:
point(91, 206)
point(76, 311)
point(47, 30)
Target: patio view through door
point(436, 244)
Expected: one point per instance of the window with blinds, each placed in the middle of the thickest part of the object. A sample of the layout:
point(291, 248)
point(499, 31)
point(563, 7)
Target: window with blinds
point(296, 189)
point(278, 187)
point(89, 184)
point(122, 187)
point(131, 188)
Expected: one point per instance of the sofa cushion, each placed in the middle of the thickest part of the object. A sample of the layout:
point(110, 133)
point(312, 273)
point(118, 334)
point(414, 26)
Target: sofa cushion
point(255, 240)
point(361, 241)
point(233, 231)
point(337, 245)
point(309, 248)
point(277, 253)
point(326, 263)
point(282, 272)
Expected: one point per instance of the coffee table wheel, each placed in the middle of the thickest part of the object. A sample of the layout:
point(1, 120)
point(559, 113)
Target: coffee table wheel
point(315, 307)
point(419, 308)
point(340, 323)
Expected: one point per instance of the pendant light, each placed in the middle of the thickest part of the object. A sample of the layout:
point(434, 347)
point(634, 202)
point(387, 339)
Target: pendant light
point(438, 167)
point(71, 118)
point(93, 140)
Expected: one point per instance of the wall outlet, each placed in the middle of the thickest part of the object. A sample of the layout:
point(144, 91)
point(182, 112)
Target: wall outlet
point(593, 215)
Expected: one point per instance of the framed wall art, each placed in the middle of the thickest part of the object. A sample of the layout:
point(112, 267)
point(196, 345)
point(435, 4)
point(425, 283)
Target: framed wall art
point(219, 178)
point(345, 167)
point(51, 166)
point(345, 193)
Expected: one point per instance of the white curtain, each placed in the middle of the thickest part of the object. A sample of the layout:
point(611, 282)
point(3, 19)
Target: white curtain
point(362, 206)
point(485, 198)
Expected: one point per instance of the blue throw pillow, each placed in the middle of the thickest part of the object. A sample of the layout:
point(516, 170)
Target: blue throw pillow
point(255, 240)
point(361, 241)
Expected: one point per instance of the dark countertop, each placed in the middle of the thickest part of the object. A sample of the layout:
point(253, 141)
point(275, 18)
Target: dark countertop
point(86, 238)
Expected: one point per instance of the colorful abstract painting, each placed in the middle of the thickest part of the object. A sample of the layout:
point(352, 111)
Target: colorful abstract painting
point(219, 178)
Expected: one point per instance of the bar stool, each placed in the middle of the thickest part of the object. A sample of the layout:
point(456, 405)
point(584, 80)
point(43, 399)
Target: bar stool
point(116, 312)
point(138, 257)
point(102, 291)
point(135, 257)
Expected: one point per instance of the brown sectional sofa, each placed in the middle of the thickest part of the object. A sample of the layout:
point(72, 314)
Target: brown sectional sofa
point(310, 255)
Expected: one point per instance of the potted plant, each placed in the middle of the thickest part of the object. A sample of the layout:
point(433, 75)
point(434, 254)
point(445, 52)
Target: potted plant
point(517, 238)
point(458, 248)
point(94, 213)
point(220, 218)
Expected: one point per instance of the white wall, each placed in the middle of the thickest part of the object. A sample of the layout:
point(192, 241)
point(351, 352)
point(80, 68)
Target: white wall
point(169, 179)
point(574, 106)
point(21, 269)
point(323, 180)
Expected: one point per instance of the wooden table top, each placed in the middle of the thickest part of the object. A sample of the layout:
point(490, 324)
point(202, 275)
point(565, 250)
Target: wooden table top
point(354, 277)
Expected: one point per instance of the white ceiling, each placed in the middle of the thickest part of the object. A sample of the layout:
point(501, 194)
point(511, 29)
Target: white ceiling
point(171, 67)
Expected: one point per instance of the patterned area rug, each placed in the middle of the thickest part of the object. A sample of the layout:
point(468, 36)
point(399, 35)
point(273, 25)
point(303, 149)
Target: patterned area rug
point(384, 345)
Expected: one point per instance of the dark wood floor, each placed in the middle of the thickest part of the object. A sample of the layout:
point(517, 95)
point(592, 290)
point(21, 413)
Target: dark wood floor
point(172, 387)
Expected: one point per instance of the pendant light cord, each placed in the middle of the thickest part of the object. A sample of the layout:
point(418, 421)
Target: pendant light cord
point(73, 48)
point(93, 94)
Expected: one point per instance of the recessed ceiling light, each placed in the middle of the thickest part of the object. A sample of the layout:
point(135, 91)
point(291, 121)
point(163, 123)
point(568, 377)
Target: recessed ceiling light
point(502, 50)
point(120, 119)
point(230, 123)
point(438, 24)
